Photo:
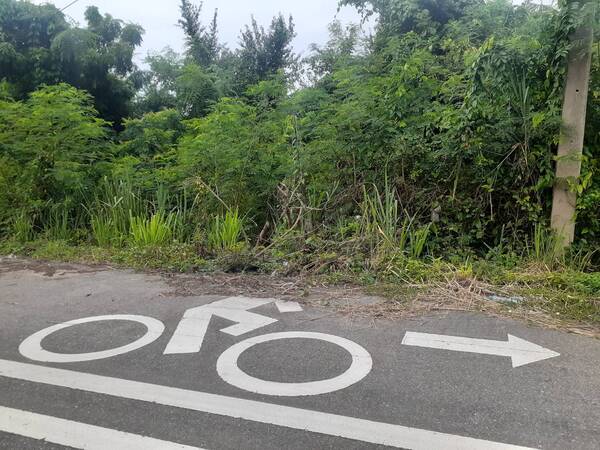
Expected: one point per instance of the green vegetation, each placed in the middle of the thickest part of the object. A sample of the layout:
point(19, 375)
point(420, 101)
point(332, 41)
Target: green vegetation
point(225, 233)
point(157, 230)
point(422, 154)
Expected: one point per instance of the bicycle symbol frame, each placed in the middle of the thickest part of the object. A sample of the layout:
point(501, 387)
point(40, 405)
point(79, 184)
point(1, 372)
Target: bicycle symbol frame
point(227, 363)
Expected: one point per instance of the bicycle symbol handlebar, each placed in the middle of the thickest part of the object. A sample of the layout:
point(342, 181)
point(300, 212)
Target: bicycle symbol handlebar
point(189, 336)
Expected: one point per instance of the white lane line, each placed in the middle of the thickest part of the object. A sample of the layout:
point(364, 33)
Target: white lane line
point(77, 435)
point(284, 416)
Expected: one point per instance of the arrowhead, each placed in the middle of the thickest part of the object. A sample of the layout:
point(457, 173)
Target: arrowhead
point(525, 352)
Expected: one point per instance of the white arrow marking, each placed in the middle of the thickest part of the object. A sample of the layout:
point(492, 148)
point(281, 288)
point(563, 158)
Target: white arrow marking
point(190, 332)
point(519, 350)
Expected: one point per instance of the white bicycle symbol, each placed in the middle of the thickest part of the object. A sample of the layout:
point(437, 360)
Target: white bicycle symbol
point(189, 336)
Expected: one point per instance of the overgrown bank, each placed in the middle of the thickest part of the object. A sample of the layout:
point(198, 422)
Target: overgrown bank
point(527, 288)
point(420, 156)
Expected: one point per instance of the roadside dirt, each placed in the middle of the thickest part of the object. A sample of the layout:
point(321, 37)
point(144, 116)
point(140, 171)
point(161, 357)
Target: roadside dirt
point(45, 268)
point(383, 302)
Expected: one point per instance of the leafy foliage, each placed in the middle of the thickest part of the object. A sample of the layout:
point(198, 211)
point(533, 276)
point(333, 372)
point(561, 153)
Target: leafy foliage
point(235, 157)
point(196, 91)
point(158, 83)
point(52, 146)
point(435, 137)
point(38, 46)
point(225, 232)
point(264, 52)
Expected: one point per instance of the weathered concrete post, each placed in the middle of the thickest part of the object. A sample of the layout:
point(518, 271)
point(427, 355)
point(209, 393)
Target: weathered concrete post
point(568, 165)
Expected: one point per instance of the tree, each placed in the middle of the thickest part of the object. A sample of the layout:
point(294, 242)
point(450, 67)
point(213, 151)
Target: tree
point(99, 60)
point(26, 34)
point(158, 82)
point(202, 45)
point(263, 52)
point(568, 164)
point(421, 16)
point(38, 46)
point(171, 83)
point(241, 154)
point(340, 48)
point(196, 91)
point(147, 150)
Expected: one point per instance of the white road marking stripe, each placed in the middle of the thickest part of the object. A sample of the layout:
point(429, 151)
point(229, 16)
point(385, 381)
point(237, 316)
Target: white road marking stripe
point(288, 307)
point(284, 416)
point(77, 435)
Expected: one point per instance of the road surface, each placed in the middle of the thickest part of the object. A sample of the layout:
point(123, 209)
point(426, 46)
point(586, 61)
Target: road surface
point(101, 358)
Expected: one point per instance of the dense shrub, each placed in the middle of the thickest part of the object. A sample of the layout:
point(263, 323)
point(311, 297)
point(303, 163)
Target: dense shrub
point(53, 146)
point(445, 122)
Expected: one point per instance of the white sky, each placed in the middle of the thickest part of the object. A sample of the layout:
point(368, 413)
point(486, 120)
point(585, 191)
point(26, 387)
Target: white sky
point(159, 18)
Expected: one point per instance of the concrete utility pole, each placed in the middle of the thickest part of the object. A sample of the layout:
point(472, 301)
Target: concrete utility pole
point(568, 165)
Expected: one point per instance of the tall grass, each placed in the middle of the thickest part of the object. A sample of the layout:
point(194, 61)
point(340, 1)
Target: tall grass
point(580, 260)
point(186, 217)
point(181, 208)
point(380, 216)
point(104, 231)
point(157, 230)
point(226, 232)
point(418, 240)
point(119, 212)
point(22, 227)
point(115, 202)
point(382, 228)
point(57, 225)
point(119, 200)
point(545, 247)
point(163, 198)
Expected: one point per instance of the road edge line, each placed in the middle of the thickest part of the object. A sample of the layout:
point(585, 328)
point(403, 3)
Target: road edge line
point(76, 434)
point(255, 411)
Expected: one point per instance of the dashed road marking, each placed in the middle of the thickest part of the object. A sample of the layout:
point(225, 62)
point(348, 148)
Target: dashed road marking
point(288, 307)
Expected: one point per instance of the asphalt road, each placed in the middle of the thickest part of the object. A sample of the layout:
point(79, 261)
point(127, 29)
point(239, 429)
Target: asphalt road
point(219, 373)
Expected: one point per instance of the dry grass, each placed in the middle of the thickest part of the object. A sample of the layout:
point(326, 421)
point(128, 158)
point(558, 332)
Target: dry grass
point(466, 295)
point(382, 301)
point(392, 301)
